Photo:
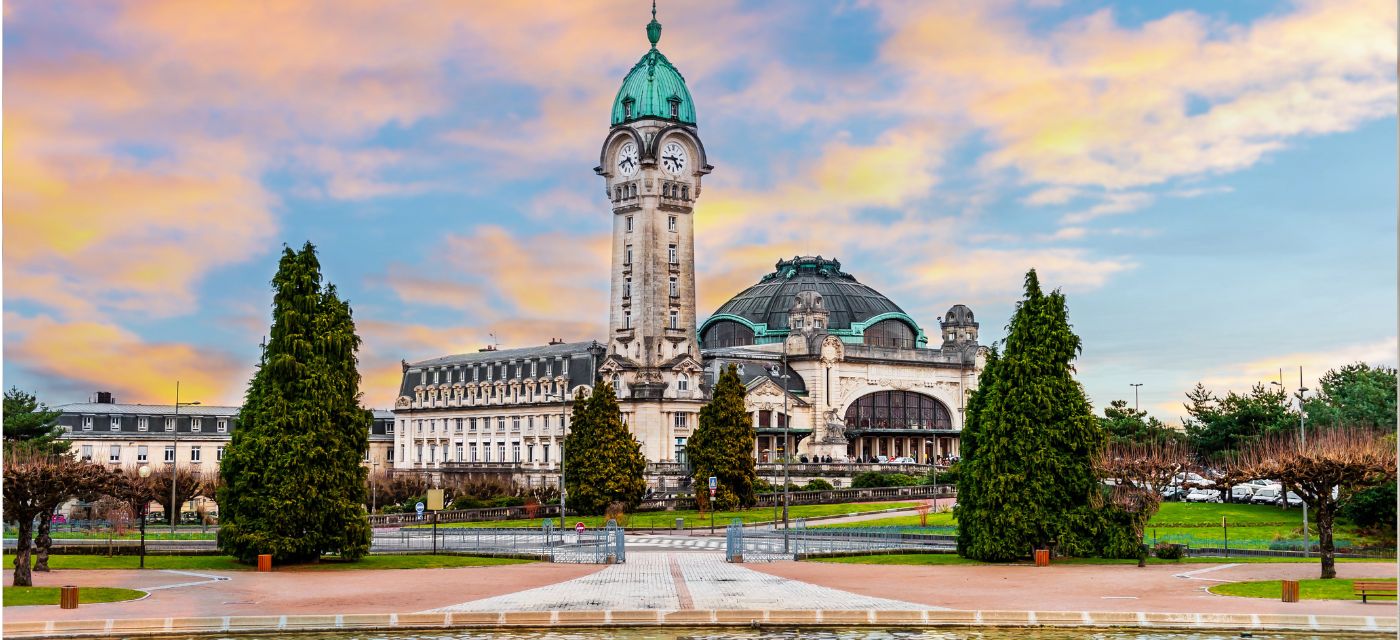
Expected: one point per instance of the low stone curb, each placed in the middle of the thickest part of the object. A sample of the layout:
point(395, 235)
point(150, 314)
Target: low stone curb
point(698, 618)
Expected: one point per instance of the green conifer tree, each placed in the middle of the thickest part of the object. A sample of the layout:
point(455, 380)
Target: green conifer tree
point(1027, 479)
point(31, 424)
point(605, 463)
point(723, 447)
point(293, 485)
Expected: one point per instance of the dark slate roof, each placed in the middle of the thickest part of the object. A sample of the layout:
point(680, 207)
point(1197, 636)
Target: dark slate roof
point(496, 355)
point(498, 365)
point(751, 369)
point(846, 300)
point(146, 409)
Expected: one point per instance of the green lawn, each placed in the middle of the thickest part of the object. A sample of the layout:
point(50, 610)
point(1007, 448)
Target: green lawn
point(1251, 526)
point(227, 563)
point(20, 596)
point(1307, 589)
point(951, 559)
point(693, 519)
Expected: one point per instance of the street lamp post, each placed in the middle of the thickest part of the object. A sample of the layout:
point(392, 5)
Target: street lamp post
point(787, 444)
point(175, 460)
point(1135, 386)
point(1303, 438)
point(373, 488)
point(144, 472)
point(563, 492)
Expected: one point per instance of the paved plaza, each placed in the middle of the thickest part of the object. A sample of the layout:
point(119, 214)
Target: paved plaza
point(671, 581)
point(689, 572)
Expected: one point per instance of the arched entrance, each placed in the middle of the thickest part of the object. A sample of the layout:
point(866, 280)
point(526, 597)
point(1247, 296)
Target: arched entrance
point(899, 424)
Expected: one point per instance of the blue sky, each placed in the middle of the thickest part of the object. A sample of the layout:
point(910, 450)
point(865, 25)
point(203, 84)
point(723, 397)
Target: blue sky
point(1212, 184)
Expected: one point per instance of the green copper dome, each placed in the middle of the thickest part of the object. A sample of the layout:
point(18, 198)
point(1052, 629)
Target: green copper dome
point(653, 88)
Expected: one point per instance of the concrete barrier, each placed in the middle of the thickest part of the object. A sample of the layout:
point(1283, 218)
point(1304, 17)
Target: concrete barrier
point(1231, 622)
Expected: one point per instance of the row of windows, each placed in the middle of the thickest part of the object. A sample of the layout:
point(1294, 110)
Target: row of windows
point(143, 424)
point(472, 453)
point(625, 191)
point(513, 393)
point(675, 191)
point(114, 453)
point(672, 254)
point(672, 322)
point(675, 287)
point(472, 424)
point(493, 371)
point(671, 223)
point(682, 384)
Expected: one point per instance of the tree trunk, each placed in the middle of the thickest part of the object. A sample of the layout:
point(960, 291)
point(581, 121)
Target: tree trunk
point(43, 542)
point(23, 578)
point(1326, 509)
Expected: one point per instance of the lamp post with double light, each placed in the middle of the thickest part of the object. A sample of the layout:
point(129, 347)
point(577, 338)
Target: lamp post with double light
point(175, 460)
point(1135, 386)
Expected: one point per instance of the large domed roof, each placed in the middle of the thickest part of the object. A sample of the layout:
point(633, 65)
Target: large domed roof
point(652, 87)
point(850, 305)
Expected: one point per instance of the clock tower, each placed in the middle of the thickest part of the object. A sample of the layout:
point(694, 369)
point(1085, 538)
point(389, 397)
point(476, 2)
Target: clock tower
point(652, 163)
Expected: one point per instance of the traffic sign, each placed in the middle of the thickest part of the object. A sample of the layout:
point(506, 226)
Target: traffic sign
point(419, 507)
point(714, 482)
point(579, 527)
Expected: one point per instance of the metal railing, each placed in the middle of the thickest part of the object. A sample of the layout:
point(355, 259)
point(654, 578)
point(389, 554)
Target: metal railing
point(598, 546)
point(766, 544)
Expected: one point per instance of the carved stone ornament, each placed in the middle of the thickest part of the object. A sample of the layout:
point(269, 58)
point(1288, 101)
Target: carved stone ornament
point(835, 429)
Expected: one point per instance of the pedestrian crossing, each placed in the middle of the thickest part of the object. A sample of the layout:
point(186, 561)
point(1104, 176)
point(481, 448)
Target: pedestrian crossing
point(674, 543)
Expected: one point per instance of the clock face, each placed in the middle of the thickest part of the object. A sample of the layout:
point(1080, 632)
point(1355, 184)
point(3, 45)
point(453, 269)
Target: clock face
point(673, 157)
point(627, 159)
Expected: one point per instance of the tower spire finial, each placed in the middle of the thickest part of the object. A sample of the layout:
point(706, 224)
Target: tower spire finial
point(653, 27)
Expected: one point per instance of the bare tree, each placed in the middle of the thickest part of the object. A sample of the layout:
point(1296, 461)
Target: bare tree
point(188, 484)
point(79, 480)
point(1343, 459)
point(1139, 472)
point(35, 484)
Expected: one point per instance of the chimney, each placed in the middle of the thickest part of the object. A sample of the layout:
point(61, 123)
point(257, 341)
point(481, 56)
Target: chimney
point(489, 347)
point(104, 397)
point(556, 341)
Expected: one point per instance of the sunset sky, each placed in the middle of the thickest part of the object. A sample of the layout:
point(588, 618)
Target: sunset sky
point(1213, 184)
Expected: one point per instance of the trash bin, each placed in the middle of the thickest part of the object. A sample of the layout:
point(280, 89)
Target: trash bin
point(68, 597)
point(680, 524)
point(1042, 557)
point(1290, 590)
point(265, 562)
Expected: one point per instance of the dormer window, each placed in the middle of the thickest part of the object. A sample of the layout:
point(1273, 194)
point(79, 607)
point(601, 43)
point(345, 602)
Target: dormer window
point(627, 107)
point(675, 108)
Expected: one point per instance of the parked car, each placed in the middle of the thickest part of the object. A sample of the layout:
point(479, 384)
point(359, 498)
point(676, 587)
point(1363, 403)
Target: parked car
point(1203, 495)
point(1171, 493)
point(1266, 495)
point(59, 518)
point(1294, 500)
point(1260, 484)
point(1192, 479)
point(1242, 492)
point(904, 460)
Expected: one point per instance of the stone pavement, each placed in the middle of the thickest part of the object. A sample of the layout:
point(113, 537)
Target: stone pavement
point(669, 581)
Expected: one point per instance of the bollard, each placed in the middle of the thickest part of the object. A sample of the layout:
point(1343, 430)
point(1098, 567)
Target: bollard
point(264, 562)
point(680, 524)
point(1042, 557)
point(68, 597)
point(1290, 590)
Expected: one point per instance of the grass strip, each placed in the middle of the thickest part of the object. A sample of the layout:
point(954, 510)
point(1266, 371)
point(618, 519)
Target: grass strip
point(951, 559)
point(1335, 589)
point(24, 596)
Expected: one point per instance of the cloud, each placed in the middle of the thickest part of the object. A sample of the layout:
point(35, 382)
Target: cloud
point(1051, 195)
point(89, 356)
point(1241, 376)
point(1112, 204)
point(1003, 270)
point(1092, 103)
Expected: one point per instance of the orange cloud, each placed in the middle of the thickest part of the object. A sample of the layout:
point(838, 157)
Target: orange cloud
point(98, 356)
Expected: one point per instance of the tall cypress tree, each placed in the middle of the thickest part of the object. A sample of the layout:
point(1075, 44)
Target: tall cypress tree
point(294, 486)
point(605, 463)
point(723, 446)
point(1028, 475)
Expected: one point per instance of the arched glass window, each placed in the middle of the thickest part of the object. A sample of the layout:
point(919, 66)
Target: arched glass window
point(890, 333)
point(617, 384)
point(727, 333)
point(683, 383)
point(886, 410)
